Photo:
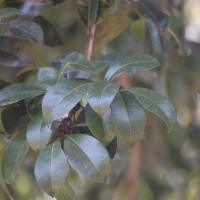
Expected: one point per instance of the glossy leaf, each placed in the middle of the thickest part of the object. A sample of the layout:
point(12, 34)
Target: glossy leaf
point(101, 95)
point(76, 62)
point(51, 168)
point(96, 125)
point(46, 84)
point(66, 193)
point(42, 76)
point(2, 183)
point(8, 12)
point(45, 73)
point(13, 157)
point(100, 66)
point(87, 156)
point(38, 133)
point(156, 104)
point(130, 65)
point(109, 127)
point(24, 29)
point(14, 93)
point(62, 97)
point(128, 118)
point(88, 11)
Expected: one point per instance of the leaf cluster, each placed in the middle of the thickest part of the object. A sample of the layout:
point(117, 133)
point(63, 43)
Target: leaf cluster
point(73, 119)
point(107, 112)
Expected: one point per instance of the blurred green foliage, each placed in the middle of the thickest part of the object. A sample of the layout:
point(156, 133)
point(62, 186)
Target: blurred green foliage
point(171, 162)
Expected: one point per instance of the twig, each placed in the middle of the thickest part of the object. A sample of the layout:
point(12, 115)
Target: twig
point(134, 171)
point(129, 3)
point(91, 42)
point(129, 183)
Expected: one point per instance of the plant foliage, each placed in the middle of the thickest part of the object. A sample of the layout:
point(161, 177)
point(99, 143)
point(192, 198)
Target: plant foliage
point(107, 106)
point(72, 115)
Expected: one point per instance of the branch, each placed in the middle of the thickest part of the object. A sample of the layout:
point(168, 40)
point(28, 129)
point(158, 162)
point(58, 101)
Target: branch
point(134, 171)
point(130, 181)
point(130, 4)
point(91, 42)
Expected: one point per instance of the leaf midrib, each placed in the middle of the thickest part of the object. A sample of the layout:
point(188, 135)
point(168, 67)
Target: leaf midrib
point(71, 91)
point(133, 63)
point(21, 93)
point(86, 156)
point(18, 158)
point(127, 117)
point(104, 89)
point(163, 113)
point(73, 63)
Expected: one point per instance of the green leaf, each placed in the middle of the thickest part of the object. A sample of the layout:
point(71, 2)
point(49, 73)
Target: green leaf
point(51, 168)
point(16, 92)
point(101, 95)
point(23, 29)
point(2, 182)
point(152, 15)
point(46, 73)
point(153, 41)
point(181, 43)
point(2, 129)
point(62, 97)
point(128, 118)
point(96, 126)
point(13, 157)
point(46, 77)
point(109, 127)
point(14, 57)
point(76, 62)
point(8, 12)
point(100, 66)
point(130, 65)
point(87, 156)
point(156, 23)
point(38, 133)
point(66, 193)
point(88, 11)
point(155, 103)
point(46, 84)
point(111, 27)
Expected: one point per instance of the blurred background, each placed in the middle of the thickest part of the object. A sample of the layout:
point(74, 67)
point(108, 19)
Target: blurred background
point(169, 163)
